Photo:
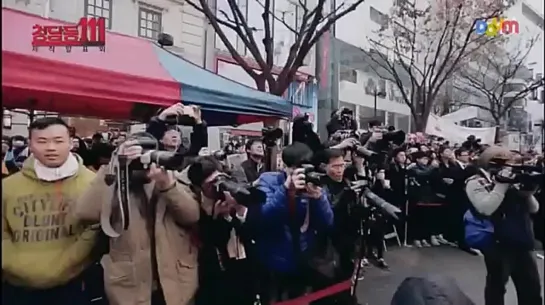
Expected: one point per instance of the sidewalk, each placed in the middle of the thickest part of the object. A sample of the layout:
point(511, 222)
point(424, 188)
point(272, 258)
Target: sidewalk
point(379, 286)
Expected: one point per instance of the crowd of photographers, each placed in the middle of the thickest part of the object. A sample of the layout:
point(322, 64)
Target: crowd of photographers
point(141, 221)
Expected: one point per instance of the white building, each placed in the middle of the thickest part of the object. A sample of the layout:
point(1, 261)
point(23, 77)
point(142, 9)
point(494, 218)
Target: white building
point(142, 18)
point(371, 16)
point(194, 38)
point(357, 80)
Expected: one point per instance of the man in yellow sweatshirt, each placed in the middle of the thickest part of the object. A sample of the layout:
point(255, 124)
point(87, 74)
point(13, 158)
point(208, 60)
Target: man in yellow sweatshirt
point(45, 250)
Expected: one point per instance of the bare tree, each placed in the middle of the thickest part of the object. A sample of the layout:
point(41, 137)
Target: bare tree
point(314, 19)
point(498, 75)
point(422, 47)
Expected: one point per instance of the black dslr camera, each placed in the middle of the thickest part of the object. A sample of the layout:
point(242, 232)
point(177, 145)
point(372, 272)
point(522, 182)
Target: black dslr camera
point(243, 193)
point(150, 154)
point(311, 175)
point(271, 135)
point(122, 174)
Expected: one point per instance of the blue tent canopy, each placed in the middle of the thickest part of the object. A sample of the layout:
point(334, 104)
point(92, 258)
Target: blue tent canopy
point(215, 93)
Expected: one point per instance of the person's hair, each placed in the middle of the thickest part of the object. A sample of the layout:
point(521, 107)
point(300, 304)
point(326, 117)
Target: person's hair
point(17, 138)
point(201, 168)
point(397, 151)
point(97, 135)
point(391, 128)
point(374, 123)
point(331, 153)
point(296, 153)
point(103, 150)
point(251, 142)
point(43, 123)
point(442, 149)
point(460, 150)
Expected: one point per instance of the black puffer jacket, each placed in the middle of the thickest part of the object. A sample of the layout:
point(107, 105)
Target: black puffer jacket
point(430, 290)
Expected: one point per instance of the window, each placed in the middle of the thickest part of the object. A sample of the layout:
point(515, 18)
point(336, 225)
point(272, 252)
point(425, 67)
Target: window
point(6, 120)
point(349, 76)
point(99, 8)
point(531, 15)
point(150, 23)
point(378, 17)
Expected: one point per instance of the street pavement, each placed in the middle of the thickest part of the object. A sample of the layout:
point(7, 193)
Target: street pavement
point(378, 286)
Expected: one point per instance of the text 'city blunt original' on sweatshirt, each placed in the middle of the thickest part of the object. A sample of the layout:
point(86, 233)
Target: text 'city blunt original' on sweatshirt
point(43, 245)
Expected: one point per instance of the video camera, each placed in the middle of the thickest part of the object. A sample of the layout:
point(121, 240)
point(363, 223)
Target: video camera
point(529, 176)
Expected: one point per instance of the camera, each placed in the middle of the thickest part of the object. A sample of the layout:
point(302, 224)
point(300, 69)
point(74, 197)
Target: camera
point(123, 174)
point(311, 175)
point(529, 176)
point(345, 118)
point(150, 154)
point(183, 120)
point(243, 193)
point(271, 135)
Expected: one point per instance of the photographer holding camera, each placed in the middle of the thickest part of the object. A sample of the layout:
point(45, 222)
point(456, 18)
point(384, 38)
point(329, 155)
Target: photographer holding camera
point(341, 119)
point(164, 127)
point(226, 232)
point(498, 223)
point(153, 260)
point(294, 212)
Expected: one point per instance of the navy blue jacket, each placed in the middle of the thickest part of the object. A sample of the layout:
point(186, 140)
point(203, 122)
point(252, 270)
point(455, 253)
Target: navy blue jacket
point(275, 246)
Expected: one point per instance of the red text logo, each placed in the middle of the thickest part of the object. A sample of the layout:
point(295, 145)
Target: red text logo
point(89, 32)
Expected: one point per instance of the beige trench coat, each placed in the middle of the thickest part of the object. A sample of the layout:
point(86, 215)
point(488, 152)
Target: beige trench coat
point(127, 267)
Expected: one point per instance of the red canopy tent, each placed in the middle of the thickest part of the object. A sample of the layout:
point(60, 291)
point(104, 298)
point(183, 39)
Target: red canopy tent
point(93, 83)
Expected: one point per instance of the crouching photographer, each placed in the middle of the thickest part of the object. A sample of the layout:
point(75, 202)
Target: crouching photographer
point(229, 213)
point(146, 215)
point(498, 223)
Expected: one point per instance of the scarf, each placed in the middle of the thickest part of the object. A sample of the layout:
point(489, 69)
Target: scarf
point(51, 174)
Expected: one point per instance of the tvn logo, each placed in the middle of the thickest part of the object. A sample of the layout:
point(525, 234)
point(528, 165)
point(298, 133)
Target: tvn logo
point(496, 26)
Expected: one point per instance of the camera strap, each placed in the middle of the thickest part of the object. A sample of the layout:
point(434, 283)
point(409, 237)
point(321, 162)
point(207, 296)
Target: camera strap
point(294, 228)
point(123, 191)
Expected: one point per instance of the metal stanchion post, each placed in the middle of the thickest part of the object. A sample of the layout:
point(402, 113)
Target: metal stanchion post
point(406, 216)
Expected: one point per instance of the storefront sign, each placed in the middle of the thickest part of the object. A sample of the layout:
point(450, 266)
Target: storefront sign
point(89, 32)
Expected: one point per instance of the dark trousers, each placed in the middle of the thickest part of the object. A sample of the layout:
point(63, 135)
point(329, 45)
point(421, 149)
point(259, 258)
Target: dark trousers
point(237, 284)
point(72, 293)
point(425, 221)
point(521, 267)
point(374, 237)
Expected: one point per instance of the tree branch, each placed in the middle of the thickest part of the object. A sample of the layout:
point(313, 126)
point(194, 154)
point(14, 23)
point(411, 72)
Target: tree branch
point(216, 22)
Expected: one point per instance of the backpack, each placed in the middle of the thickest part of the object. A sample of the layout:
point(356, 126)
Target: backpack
point(479, 231)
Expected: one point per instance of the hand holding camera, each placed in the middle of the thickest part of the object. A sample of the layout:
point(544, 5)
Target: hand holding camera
point(313, 191)
point(176, 113)
point(174, 110)
point(131, 150)
point(347, 143)
point(505, 175)
point(296, 181)
point(164, 179)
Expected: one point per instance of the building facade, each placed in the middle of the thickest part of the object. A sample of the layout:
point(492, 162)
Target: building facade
point(142, 18)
